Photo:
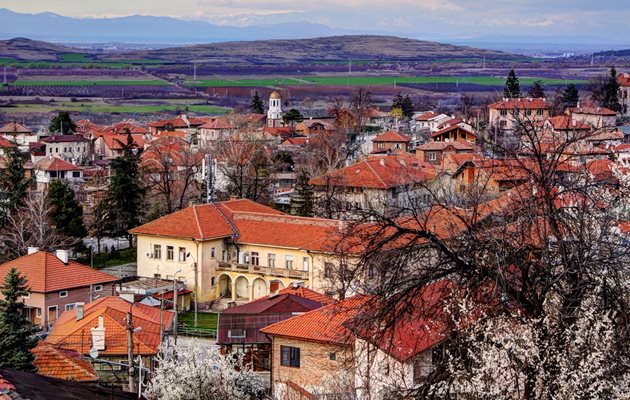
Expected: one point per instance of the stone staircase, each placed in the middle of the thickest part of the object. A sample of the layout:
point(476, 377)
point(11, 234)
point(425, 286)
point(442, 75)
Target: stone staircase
point(224, 303)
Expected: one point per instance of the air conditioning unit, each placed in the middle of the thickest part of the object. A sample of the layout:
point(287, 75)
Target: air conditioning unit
point(149, 255)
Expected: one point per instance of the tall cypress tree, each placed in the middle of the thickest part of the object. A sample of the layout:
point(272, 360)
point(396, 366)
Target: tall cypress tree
point(512, 88)
point(536, 90)
point(257, 106)
point(62, 124)
point(125, 201)
point(67, 213)
point(302, 199)
point(16, 332)
point(13, 183)
point(570, 96)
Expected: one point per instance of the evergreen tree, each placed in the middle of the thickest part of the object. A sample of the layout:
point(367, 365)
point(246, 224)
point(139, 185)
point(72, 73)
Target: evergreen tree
point(125, 202)
point(67, 213)
point(16, 332)
point(302, 200)
point(62, 124)
point(13, 183)
point(570, 96)
point(257, 106)
point(536, 90)
point(611, 92)
point(404, 104)
point(291, 117)
point(512, 88)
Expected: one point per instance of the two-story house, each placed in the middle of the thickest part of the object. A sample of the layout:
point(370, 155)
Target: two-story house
point(49, 168)
point(236, 250)
point(75, 149)
point(510, 114)
point(390, 142)
point(57, 284)
point(624, 93)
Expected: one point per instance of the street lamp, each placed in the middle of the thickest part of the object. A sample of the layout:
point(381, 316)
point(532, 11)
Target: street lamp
point(195, 292)
point(175, 289)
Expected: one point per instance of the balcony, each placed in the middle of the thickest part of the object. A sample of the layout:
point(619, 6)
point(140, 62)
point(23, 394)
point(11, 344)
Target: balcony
point(262, 270)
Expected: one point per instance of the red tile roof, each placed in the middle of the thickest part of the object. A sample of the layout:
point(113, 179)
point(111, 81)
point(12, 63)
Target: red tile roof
point(521, 104)
point(325, 324)
point(218, 123)
point(452, 128)
point(623, 79)
point(64, 139)
point(55, 164)
point(287, 303)
point(62, 363)
point(426, 116)
point(14, 127)
point(76, 335)
point(46, 273)
point(380, 172)
point(4, 143)
point(566, 123)
point(115, 141)
point(603, 111)
point(442, 146)
point(391, 136)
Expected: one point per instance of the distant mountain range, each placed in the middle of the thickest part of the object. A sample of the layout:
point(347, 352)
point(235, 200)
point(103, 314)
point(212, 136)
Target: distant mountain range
point(147, 29)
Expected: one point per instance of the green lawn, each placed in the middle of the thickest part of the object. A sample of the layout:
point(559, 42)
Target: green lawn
point(110, 108)
point(206, 320)
point(92, 82)
point(372, 81)
point(102, 260)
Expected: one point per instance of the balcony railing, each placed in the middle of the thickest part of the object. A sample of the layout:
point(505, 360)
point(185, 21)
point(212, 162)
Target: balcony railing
point(262, 270)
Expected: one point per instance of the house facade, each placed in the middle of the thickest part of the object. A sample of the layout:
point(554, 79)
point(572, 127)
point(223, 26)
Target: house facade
point(508, 114)
point(57, 284)
point(49, 169)
point(72, 148)
point(624, 93)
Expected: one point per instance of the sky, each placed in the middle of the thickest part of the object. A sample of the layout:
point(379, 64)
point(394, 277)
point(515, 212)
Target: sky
point(606, 19)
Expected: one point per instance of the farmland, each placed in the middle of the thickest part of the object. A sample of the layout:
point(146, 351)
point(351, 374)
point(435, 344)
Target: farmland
point(119, 108)
point(370, 81)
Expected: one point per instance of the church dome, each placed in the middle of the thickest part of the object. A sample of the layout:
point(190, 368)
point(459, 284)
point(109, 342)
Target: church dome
point(274, 95)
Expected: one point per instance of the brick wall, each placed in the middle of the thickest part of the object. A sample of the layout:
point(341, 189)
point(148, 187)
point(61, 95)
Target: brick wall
point(316, 367)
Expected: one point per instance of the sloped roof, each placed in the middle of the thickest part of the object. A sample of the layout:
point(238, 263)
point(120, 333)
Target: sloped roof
point(426, 116)
point(603, 111)
point(64, 139)
point(606, 134)
point(521, 104)
point(55, 164)
point(324, 325)
point(380, 172)
point(440, 146)
point(269, 304)
point(566, 123)
point(623, 79)
point(4, 143)
point(46, 273)
point(76, 335)
point(451, 128)
point(115, 141)
point(14, 127)
point(62, 363)
point(391, 136)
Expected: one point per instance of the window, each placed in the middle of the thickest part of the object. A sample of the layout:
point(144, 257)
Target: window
point(328, 270)
point(157, 276)
point(271, 260)
point(213, 281)
point(169, 253)
point(290, 356)
point(371, 272)
point(39, 312)
point(98, 288)
point(255, 258)
point(289, 262)
point(237, 333)
point(27, 296)
point(182, 254)
point(76, 174)
point(503, 124)
point(397, 146)
point(332, 356)
point(504, 112)
point(63, 293)
point(69, 307)
point(528, 112)
point(540, 112)
point(213, 252)
point(432, 156)
point(305, 264)
point(157, 251)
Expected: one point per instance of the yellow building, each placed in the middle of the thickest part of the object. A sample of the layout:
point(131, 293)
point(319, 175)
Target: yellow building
point(237, 250)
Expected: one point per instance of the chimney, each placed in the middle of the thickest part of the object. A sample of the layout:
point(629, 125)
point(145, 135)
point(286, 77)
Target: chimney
point(80, 311)
point(62, 255)
point(98, 335)
point(32, 250)
point(382, 161)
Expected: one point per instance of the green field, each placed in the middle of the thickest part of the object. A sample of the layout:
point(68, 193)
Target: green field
point(111, 108)
point(204, 319)
point(371, 81)
point(91, 82)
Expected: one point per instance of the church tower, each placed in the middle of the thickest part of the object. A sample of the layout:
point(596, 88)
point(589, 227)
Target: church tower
point(274, 114)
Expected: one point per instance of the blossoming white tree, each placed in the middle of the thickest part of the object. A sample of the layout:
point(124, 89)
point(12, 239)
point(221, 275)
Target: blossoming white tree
point(199, 373)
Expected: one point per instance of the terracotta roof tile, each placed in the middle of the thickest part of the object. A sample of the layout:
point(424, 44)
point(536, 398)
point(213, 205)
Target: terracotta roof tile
point(47, 273)
point(76, 335)
point(55, 164)
point(623, 79)
point(14, 127)
point(325, 324)
point(426, 116)
point(62, 363)
point(521, 104)
point(451, 128)
point(594, 111)
point(391, 136)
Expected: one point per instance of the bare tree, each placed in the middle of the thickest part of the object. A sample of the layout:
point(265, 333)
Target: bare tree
point(30, 226)
point(172, 170)
point(360, 105)
point(540, 273)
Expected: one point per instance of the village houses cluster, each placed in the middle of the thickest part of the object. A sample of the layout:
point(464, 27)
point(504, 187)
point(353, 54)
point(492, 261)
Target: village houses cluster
point(269, 272)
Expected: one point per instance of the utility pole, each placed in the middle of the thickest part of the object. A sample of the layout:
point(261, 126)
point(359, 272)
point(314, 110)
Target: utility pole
point(209, 179)
point(195, 266)
point(161, 319)
point(175, 288)
point(132, 376)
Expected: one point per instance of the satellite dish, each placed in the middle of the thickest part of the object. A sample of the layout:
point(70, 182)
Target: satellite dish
point(93, 352)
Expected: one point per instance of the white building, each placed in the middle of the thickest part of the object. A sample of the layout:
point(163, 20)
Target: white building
point(274, 113)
